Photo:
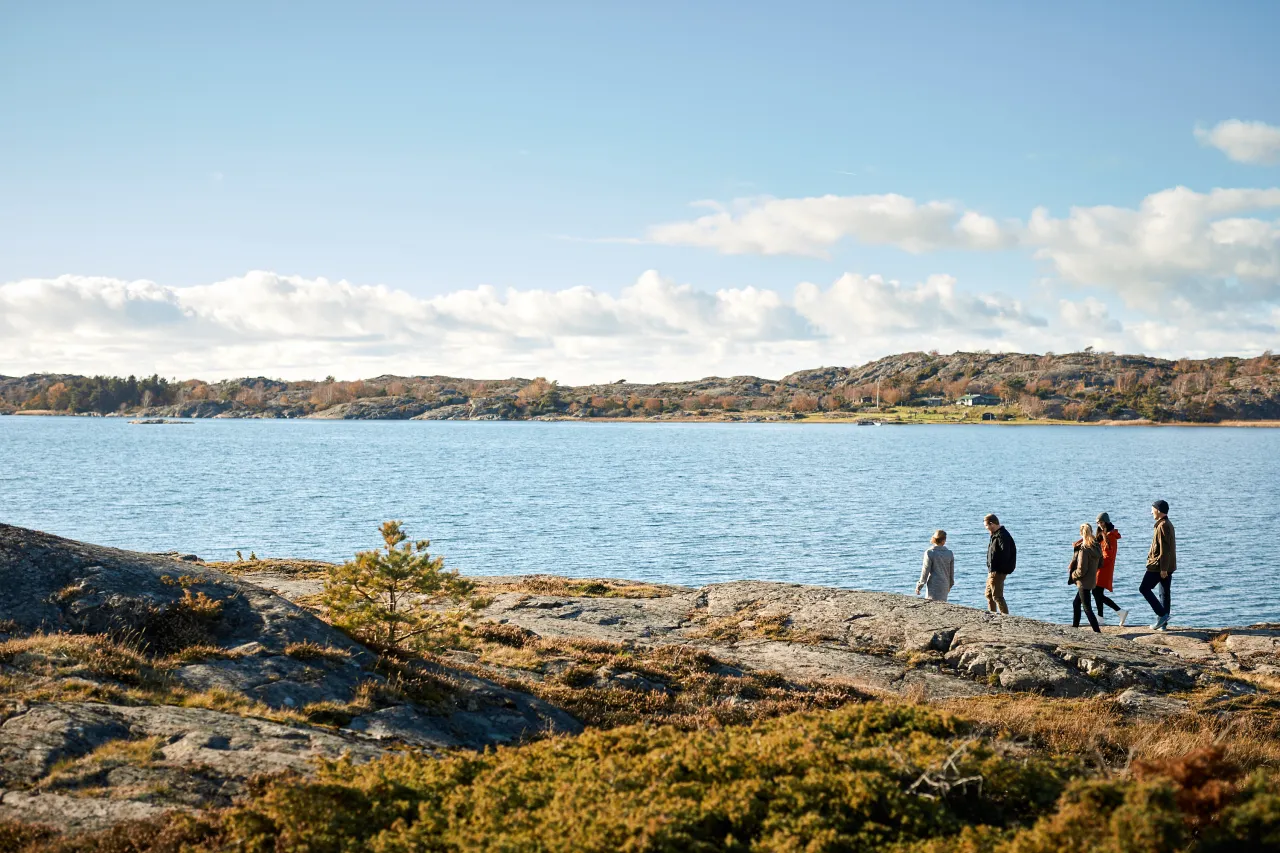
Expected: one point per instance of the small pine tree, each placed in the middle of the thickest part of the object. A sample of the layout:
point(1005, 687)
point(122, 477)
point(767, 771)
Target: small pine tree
point(384, 596)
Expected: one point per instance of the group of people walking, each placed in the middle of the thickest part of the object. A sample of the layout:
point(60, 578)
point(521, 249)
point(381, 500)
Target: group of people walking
point(1091, 570)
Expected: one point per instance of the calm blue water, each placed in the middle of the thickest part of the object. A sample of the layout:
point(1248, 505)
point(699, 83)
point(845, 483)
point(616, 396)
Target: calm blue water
point(683, 503)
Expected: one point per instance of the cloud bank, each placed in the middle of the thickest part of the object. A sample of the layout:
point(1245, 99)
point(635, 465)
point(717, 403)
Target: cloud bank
point(1177, 248)
point(293, 327)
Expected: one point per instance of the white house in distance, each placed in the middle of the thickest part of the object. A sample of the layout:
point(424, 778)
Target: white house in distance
point(978, 400)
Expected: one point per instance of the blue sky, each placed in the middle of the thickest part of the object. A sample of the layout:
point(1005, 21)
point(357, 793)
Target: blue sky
point(434, 148)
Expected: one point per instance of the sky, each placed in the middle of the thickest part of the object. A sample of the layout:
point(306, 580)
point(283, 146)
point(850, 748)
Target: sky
point(661, 190)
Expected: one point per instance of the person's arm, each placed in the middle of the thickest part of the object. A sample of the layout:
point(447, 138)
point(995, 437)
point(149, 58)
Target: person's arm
point(1006, 553)
point(1153, 556)
point(951, 572)
point(924, 574)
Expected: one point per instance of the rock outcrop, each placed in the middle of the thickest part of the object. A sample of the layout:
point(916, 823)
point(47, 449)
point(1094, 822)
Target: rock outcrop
point(201, 681)
point(886, 643)
point(879, 641)
point(139, 683)
point(375, 409)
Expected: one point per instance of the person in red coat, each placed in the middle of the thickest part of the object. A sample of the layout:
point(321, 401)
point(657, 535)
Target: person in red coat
point(1109, 539)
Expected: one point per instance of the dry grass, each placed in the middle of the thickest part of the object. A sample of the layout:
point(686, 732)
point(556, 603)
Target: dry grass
point(95, 668)
point(596, 681)
point(577, 587)
point(308, 650)
point(751, 622)
point(196, 654)
point(288, 567)
point(77, 656)
point(89, 772)
point(1246, 728)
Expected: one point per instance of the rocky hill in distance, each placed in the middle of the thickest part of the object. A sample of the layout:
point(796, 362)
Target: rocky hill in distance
point(1085, 386)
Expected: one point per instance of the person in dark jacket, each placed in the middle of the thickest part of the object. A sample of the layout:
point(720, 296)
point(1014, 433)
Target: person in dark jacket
point(1084, 574)
point(1162, 562)
point(1002, 557)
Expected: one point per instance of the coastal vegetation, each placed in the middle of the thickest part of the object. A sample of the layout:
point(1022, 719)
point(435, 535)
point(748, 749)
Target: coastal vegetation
point(384, 597)
point(678, 747)
point(922, 387)
point(867, 776)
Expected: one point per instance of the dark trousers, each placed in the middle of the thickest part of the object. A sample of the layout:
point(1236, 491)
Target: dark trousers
point(1100, 598)
point(1082, 598)
point(1149, 581)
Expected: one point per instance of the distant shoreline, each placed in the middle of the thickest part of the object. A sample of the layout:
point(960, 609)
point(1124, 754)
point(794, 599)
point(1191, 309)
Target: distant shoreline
point(887, 419)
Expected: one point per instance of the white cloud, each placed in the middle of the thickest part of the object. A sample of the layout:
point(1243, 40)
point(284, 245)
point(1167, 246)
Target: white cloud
point(1252, 142)
point(263, 323)
point(1090, 315)
point(811, 226)
point(858, 306)
point(1178, 247)
point(267, 324)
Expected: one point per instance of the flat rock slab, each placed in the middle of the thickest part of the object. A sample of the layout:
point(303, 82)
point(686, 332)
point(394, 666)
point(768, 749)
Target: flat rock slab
point(869, 638)
point(74, 814)
point(870, 673)
point(204, 759)
point(642, 620)
point(36, 738)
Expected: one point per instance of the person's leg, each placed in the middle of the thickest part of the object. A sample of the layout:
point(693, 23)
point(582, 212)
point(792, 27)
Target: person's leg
point(1075, 610)
point(1083, 597)
point(1149, 581)
point(1100, 597)
point(997, 591)
point(1166, 594)
point(990, 591)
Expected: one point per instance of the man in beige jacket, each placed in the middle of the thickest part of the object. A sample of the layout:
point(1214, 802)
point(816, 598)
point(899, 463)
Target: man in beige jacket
point(1162, 562)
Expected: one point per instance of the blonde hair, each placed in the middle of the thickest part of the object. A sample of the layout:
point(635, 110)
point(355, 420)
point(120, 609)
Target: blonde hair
point(1086, 533)
point(939, 536)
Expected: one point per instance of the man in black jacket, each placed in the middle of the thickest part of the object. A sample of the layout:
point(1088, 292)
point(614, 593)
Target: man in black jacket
point(1002, 557)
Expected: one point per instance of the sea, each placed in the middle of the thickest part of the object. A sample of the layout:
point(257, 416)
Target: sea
point(830, 504)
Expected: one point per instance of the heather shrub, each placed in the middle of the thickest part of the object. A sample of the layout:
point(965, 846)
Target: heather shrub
point(841, 780)
point(869, 776)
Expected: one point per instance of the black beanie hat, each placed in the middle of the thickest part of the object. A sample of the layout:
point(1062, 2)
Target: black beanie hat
point(1163, 506)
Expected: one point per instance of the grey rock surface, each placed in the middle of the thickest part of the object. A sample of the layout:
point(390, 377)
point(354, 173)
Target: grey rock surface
point(1143, 704)
point(51, 584)
point(888, 643)
point(375, 408)
point(74, 814)
point(202, 759)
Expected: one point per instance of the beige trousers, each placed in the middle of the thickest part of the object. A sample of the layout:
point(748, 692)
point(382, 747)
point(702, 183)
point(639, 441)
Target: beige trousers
point(995, 592)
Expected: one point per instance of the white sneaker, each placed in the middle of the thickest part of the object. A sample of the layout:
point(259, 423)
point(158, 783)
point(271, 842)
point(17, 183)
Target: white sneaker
point(1124, 614)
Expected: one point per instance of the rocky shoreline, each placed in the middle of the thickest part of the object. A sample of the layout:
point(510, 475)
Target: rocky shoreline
point(1084, 387)
point(139, 684)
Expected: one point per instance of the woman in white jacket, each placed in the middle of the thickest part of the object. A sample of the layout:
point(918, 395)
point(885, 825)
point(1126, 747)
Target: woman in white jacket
point(939, 572)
